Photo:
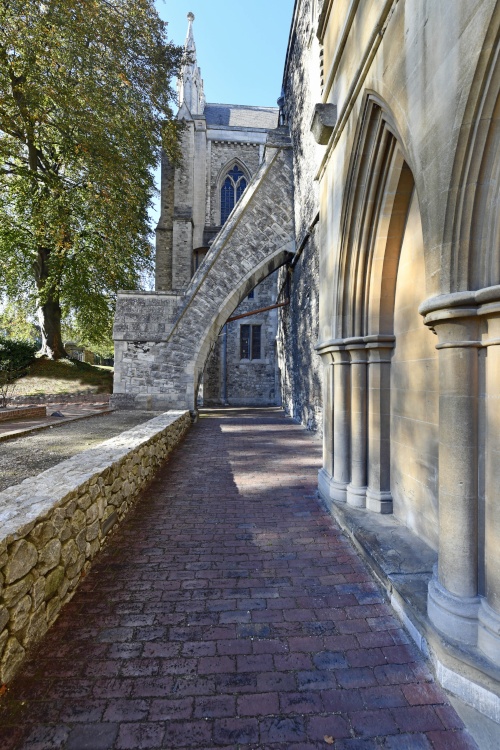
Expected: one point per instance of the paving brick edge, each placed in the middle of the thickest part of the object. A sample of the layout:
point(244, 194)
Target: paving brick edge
point(8, 414)
point(54, 524)
point(48, 425)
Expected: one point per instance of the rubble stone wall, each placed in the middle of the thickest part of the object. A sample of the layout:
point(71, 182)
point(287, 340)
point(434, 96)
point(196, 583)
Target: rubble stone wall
point(54, 524)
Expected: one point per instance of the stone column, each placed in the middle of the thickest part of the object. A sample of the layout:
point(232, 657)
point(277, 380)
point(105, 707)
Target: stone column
point(356, 490)
point(489, 612)
point(378, 494)
point(341, 425)
point(453, 600)
point(326, 472)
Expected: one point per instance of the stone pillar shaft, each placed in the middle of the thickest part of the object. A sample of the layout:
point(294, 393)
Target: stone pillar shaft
point(341, 425)
point(356, 491)
point(458, 469)
point(453, 601)
point(489, 613)
point(378, 494)
point(328, 438)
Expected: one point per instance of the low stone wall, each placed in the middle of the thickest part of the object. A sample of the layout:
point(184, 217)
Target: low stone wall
point(87, 397)
point(53, 525)
point(23, 412)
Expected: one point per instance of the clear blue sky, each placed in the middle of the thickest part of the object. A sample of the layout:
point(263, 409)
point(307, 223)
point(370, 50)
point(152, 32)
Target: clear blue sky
point(240, 48)
point(240, 45)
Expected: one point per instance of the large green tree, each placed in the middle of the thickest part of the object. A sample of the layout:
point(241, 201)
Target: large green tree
point(85, 107)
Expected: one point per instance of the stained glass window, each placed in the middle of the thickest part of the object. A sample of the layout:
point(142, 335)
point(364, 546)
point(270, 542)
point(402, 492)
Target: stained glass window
point(231, 191)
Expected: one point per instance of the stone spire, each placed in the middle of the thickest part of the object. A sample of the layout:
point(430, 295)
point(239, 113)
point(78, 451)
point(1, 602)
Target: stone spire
point(190, 82)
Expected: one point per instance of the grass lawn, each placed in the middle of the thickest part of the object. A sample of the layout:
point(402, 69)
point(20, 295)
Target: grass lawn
point(64, 376)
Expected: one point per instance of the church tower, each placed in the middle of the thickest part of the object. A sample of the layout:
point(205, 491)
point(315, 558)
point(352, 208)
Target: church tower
point(222, 148)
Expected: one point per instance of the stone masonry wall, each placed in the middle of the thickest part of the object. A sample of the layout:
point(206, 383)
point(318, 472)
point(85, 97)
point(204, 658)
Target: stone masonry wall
point(249, 383)
point(53, 525)
point(253, 382)
point(254, 242)
point(300, 365)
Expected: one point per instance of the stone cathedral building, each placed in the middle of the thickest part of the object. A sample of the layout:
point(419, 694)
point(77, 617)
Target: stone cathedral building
point(222, 147)
point(373, 207)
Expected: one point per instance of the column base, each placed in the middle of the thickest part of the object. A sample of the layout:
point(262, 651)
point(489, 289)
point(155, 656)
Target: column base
point(378, 501)
point(330, 488)
point(454, 616)
point(488, 634)
point(356, 496)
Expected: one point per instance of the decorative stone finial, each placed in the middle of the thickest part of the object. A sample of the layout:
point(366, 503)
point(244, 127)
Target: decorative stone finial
point(190, 16)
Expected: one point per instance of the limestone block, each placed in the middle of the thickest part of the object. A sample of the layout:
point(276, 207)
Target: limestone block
point(37, 625)
point(12, 594)
point(53, 582)
point(53, 609)
point(69, 553)
point(92, 513)
point(19, 615)
point(49, 556)
point(116, 486)
point(76, 568)
point(126, 488)
point(78, 521)
point(42, 533)
point(94, 491)
point(81, 540)
point(22, 558)
point(84, 501)
point(70, 507)
point(12, 657)
point(4, 617)
point(58, 518)
point(3, 640)
point(94, 546)
point(92, 531)
point(38, 592)
point(65, 532)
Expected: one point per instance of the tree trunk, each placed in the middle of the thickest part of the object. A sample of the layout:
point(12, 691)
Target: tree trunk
point(49, 310)
point(49, 318)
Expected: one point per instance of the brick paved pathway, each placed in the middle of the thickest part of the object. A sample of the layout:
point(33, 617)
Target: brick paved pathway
point(229, 612)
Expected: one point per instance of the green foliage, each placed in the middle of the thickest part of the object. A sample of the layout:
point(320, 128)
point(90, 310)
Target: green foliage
point(85, 108)
point(102, 345)
point(15, 358)
point(18, 322)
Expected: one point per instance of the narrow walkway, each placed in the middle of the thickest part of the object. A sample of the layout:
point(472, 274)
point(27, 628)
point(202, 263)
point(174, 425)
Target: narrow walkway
point(229, 612)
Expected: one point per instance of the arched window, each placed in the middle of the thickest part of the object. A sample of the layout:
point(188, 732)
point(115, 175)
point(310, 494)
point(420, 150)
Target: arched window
point(231, 191)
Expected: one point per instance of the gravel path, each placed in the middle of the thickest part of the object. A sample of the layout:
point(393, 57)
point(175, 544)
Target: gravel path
point(30, 455)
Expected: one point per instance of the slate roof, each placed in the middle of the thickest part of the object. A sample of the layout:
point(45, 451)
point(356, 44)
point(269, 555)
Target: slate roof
point(239, 115)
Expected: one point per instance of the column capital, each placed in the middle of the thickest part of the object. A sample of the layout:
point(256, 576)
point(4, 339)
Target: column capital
point(380, 341)
point(489, 313)
point(379, 348)
point(455, 317)
point(356, 348)
point(456, 328)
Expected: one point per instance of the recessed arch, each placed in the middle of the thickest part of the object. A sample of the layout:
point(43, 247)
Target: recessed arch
point(472, 227)
point(379, 189)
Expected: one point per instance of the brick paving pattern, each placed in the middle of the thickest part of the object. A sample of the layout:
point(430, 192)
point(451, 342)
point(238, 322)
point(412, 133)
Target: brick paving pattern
point(229, 611)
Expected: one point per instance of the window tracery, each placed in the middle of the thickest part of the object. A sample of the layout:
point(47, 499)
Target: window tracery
point(231, 191)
